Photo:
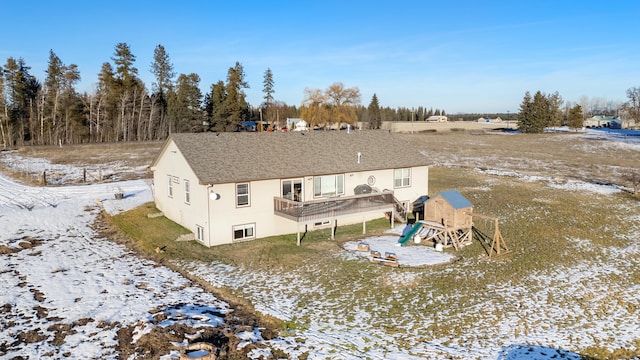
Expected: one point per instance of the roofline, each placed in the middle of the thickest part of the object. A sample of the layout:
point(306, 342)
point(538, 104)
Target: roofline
point(303, 176)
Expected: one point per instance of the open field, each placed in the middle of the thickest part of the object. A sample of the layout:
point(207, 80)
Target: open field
point(569, 285)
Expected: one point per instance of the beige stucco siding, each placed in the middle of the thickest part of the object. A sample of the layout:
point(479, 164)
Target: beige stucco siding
point(173, 167)
point(225, 214)
point(217, 216)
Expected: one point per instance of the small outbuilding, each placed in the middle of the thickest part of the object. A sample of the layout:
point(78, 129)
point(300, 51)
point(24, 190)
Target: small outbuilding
point(450, 209)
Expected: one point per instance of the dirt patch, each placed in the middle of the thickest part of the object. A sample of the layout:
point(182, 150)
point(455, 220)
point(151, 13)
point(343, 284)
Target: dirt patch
point(60, 332)
point(38, 295)
point(42, 312)
point(26, 242)
point(31, 336)
point(159, 341)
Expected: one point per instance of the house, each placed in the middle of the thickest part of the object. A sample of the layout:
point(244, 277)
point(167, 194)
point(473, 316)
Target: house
point(598, 121)
point(437, 118)
point(295, 124)
point(230, 187)
point(497, 120)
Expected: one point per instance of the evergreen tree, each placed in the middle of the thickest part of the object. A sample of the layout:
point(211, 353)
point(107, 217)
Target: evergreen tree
point(129, 94)
point(538, 113)
point(575, 117)
point(106, 104)
point(525, 119)
point(235, 105)
point(184, 109)
point(22, 90)
point(126, 74)
point(53, 89)
point(162, 69)
point(215, 107)
point(373, 110)
point(268, 89)
point(555, 101)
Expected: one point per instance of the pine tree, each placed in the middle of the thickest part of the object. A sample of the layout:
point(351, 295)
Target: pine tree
point(525, 115)
point(235, 105)
point(268, 89)
point(554, 101)
point(126, 74)
point(22, 90)
point(575, 117)
point(184, 110)
point(53, 89)
point(373, 110)
point(216, 113)
point(162, 69)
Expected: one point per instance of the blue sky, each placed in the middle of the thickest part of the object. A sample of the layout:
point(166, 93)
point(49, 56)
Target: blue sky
point(460, 56)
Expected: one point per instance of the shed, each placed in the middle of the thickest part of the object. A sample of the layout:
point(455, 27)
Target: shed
point(450, 209)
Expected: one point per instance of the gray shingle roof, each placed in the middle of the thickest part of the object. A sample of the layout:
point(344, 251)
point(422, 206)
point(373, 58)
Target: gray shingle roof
point(236, 157)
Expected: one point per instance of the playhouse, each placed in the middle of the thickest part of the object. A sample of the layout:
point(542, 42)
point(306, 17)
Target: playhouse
point(448, 221)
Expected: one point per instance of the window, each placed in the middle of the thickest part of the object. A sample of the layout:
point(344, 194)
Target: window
point(187, 195)
point(199, 233)
point(329, 185)
point(170, 185)
point(242, 232)
point(321, 223)
point(292, 189)
point(242, 194)
point(401, 178)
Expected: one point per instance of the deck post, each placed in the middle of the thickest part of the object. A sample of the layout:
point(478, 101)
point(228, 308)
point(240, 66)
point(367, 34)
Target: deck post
point(333, 229)
point(298, 228)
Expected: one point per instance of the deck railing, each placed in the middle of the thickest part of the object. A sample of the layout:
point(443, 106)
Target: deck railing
point(330, 207)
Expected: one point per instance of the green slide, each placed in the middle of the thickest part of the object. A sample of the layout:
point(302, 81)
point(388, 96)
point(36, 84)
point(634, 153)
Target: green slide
point(408, 236)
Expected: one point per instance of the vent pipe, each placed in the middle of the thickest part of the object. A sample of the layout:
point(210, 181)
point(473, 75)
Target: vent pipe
point(359, 156)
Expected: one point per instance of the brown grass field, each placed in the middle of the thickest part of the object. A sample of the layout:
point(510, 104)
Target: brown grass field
point(454, 144)
point(539, 223)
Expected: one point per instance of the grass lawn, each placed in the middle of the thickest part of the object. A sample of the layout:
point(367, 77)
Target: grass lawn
point(549, 232)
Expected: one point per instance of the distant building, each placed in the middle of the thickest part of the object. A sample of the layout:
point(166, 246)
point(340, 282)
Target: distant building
point(599, 121)
point(437, 118)
point(247, 126)
point(295, 124)
point(489, 120)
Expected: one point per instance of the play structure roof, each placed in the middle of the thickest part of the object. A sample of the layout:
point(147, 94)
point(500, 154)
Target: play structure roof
point(455, 199)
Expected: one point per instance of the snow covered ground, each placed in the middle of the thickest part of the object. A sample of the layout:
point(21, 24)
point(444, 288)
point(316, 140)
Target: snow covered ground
point(65, 292)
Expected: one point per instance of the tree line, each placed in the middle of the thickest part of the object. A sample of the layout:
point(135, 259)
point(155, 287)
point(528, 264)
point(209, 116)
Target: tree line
point(122, 108)
point(542, 111)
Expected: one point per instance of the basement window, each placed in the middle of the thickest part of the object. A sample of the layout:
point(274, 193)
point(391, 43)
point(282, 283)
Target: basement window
point(243, 232)
point(200, 233)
